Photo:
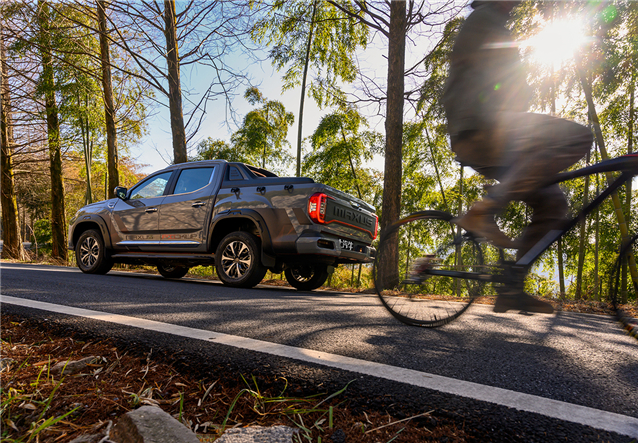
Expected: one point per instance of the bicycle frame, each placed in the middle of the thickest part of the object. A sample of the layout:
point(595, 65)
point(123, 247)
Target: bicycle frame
point(626, 164)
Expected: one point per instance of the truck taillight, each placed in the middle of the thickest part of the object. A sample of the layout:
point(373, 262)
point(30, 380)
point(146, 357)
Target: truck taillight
point(317, 207)
point(376, 227)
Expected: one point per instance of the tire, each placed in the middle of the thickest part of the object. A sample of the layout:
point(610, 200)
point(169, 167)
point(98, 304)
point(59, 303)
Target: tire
point(430, 241)
point(627, 321)
point(172, 271)
point(91, 255)
point(238, 260)
point(306, 277)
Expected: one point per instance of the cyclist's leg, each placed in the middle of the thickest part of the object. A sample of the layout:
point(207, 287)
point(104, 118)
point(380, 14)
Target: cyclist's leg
point(549, 207)
point(541, 146)
point(484, 152)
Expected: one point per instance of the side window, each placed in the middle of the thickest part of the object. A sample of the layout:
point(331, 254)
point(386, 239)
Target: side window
point(234, 174)
point(193, 179)
point(153, 187)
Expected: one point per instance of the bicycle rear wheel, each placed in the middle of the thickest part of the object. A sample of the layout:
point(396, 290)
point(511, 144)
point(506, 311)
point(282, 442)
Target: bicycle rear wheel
point(628, 322)
point(435, 277)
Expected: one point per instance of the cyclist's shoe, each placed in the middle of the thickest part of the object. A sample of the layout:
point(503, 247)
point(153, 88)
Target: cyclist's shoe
point(479, 221)
point(521, 301)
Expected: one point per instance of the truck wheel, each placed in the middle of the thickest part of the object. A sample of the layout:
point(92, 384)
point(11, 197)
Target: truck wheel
point(172, 271)
point(306, 277)
point(91, 255)
point(238, 261)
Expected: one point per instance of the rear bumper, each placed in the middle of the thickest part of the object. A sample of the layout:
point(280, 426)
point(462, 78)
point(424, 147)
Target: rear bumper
point(330, 246)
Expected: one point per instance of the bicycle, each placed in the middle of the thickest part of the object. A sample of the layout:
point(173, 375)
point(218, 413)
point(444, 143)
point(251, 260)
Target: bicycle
point(443, 270)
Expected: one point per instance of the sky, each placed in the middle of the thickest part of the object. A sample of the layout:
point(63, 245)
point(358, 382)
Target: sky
point(156, 148)
point(156, 151)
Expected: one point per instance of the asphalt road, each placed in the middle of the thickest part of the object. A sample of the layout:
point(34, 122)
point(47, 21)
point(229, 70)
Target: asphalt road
point(578, 359)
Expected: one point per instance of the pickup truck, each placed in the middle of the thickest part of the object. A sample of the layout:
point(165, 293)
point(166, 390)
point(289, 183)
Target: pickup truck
point(241, 219)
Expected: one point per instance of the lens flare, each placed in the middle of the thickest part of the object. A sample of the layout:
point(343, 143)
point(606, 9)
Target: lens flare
point(557, 42)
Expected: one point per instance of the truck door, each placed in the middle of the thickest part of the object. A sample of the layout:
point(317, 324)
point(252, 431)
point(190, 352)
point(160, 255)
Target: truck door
point(136, 218)
point(185, 213)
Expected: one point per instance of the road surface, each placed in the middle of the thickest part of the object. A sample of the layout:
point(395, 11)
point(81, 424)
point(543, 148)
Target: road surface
point(565, 370)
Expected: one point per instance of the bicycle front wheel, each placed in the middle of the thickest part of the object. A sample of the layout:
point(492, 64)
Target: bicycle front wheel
point(426, 271)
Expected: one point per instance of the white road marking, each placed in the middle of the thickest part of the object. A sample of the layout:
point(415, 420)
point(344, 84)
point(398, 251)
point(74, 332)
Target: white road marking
point(596, 418)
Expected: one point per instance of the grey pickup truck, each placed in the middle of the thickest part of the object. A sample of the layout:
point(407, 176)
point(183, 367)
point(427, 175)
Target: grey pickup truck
point(242, 219)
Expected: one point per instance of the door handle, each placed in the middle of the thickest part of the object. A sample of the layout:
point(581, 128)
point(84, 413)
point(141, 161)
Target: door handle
point(151, 209)
point(261, 189)
point(235, 190)
point(197, 204)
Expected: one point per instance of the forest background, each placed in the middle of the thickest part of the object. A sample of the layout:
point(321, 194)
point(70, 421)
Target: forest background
point(82, 81)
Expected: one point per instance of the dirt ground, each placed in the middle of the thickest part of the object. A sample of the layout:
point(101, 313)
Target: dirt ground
point(44, 407)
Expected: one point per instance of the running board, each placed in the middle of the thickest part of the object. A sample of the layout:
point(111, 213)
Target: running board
point(164, 256)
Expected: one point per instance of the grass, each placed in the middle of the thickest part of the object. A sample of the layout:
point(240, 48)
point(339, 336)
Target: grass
point(37, 405)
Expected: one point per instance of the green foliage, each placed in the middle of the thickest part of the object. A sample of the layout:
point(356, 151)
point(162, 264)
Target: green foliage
point(334, 37)
point(42, 232)
point(215, 149)
point(262, 137)
point(340, 147)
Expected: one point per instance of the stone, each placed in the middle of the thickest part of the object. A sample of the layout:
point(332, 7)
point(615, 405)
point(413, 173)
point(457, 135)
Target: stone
point(258, 434)
point(150, 424)
point(72, 367)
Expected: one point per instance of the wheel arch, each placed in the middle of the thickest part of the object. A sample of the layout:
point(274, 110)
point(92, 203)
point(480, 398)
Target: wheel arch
point(94, 222)
point(244, 220)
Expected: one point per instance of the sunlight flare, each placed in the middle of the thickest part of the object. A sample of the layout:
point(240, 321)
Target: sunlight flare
point(557, 42)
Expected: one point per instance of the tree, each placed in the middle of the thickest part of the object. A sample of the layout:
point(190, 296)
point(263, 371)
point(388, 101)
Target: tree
point(12, 246)
point(340, 146)
point(263, 133)
point(109, 106)
point(47, 89)
point(397, 21)
point(199, 32)
point(214, 149)
point(317, 36)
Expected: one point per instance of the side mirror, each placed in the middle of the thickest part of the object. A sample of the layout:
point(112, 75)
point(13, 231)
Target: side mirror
point(120, 192)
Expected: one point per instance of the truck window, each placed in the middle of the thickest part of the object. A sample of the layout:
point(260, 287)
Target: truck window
point(153, 187)
point(193, 179)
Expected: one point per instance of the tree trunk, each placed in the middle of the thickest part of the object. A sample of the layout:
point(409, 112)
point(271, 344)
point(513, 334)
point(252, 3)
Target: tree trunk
point(391, 207)
point(630, 150)
point(581, 245)
point(303, 87)
point(561, 273)
point(12, 246)
point(597, 288)
point(354, 173)
point(88, 159)
point(622, 223)
point(174, 84)
point(109, 107)
point(58, 219)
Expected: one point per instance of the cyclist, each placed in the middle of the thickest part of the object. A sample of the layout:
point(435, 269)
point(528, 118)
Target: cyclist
point(486, 99)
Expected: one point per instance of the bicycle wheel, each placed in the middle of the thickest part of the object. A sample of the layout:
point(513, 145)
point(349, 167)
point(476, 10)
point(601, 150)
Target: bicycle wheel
point(436, 271)
point(618, 297)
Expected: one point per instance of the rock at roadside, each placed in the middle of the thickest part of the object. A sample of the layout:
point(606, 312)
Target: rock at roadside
point(149, 424)
point(257, 434)
point(72, 367)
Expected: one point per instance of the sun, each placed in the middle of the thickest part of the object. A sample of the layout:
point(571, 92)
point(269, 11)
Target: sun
point(557, 42)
